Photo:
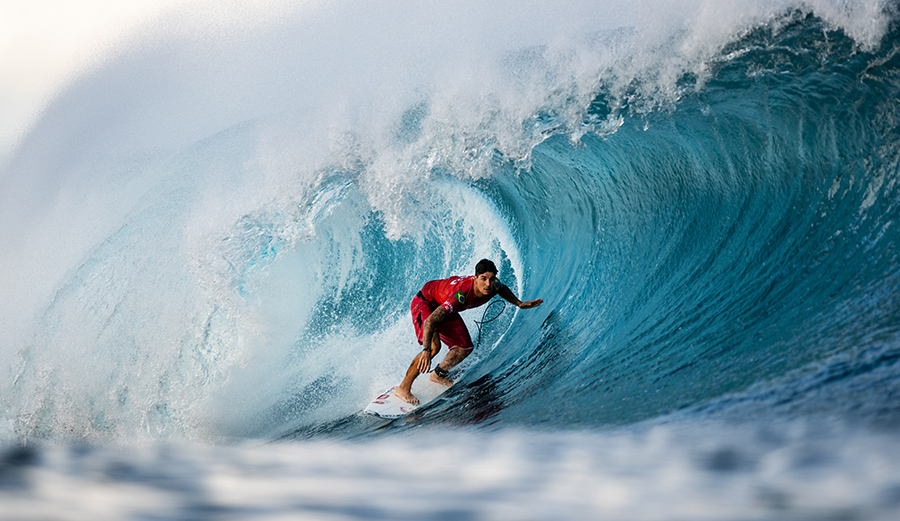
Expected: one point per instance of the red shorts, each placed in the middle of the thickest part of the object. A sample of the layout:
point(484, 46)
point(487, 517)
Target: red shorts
point(452, 330)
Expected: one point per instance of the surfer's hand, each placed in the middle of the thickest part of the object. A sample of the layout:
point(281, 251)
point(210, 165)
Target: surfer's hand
point(425, 362)
point(531, 304)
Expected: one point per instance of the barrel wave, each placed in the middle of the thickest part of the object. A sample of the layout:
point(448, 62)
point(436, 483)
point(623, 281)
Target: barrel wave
point(217, 239)
point(746, 240)
point(727, 240)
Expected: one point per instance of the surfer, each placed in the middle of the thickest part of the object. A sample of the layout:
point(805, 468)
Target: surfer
point(435, 313)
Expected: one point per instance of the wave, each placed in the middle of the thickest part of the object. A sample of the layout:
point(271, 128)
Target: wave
point(217, 236)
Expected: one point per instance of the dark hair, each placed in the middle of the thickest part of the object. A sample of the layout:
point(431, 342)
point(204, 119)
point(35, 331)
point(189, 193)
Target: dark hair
point(485, 266)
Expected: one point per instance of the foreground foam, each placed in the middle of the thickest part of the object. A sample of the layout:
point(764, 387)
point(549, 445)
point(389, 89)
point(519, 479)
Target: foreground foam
point(711, 471)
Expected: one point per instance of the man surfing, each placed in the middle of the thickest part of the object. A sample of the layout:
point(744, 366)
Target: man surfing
point(435, 313)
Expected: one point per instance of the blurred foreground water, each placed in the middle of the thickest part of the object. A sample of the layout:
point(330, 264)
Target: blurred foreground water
point(814, 471)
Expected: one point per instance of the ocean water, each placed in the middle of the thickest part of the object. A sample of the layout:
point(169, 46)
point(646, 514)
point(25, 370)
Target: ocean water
point(209, 241)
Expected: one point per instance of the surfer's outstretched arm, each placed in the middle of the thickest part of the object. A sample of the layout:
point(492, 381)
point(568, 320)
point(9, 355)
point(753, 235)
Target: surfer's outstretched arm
point(507, 295)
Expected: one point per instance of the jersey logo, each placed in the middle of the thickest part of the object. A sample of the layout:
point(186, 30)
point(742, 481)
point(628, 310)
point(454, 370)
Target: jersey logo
point(460, 297)
point(496, 285)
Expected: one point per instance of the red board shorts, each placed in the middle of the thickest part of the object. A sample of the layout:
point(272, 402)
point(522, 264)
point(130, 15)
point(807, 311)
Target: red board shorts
point(452, 330)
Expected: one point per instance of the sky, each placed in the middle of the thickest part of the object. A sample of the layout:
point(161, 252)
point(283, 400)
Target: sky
point(44, 42)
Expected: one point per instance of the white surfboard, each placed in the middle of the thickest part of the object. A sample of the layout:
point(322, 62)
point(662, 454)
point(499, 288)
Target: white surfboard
point(389, 406)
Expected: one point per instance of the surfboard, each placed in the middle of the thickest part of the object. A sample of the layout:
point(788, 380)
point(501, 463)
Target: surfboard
point(387, 405)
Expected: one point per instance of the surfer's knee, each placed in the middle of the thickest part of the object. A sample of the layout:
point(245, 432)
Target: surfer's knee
point(456, 355)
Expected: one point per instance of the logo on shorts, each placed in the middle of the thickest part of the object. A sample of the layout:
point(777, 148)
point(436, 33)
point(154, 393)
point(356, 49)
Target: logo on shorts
point(460, 297)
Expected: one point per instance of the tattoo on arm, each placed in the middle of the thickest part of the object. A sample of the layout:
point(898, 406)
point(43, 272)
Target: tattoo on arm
point(437, 316)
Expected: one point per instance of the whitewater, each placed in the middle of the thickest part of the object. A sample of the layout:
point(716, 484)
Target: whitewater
point(210, 237)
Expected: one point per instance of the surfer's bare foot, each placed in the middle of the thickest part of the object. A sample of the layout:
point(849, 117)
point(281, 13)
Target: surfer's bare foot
point(406, 396)
point(440, 380)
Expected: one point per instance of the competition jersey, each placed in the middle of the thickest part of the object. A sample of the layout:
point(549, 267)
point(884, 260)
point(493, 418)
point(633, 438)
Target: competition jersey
point(456, 293)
